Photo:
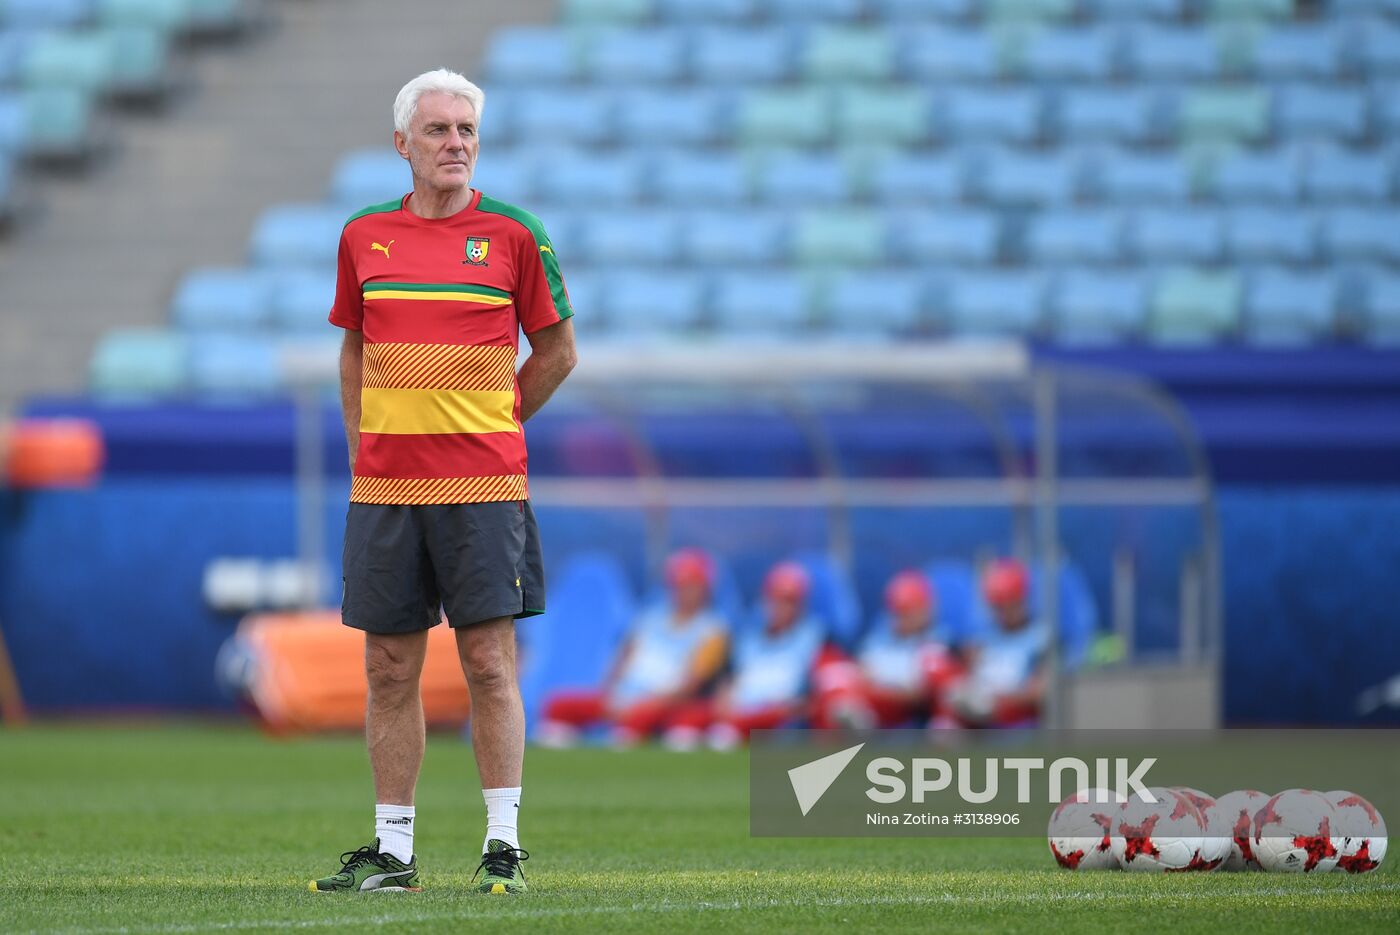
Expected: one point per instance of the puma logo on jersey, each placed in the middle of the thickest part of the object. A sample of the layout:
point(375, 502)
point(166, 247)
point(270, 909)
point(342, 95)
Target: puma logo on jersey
point(384, 247)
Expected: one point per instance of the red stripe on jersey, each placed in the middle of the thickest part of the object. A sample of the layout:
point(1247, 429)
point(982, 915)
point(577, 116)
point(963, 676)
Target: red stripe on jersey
point(487, 453)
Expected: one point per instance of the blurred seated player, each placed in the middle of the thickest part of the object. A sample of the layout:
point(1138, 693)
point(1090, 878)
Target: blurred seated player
point(1005, 678)
point(772, 664)
point(674, 651)
point(900, 670)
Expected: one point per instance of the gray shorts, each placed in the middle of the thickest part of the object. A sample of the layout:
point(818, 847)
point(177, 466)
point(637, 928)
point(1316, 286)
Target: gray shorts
point(404, 565)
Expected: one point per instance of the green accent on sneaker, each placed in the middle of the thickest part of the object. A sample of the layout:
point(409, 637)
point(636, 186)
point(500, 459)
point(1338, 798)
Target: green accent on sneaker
point(367, 870)
point(502, 865)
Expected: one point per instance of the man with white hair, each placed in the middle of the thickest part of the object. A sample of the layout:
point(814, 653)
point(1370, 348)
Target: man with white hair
point(433, 290)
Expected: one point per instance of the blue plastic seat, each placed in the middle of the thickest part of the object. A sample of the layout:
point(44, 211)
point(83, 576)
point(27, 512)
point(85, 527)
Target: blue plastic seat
point(506, 175)
point(224, 301)
point(955, 589)
point(1341, 175)
point(1075, 237)
point(848, 53)
point(1128, 178)
point(770, 302)
point(730, 56)
point(1135, 10)
point(14, 46)
point(57, 122)
point(580, 180)
point(1010, 178)
point(1382, 319)
point(1089, 54)
point(297, 235)
point(1006, 115)
point(1172, 52)
point(687, 177)
point(1380, 47)
point(801, 178)
point(874, 301)
point(1286, 307)
point(1311, 51)
point(879, 115)
point(832, 596)
point(726, 238)
point(586, 290)
point(548, 117)
point(1385, 106)
point(901, 12)
point(674, 116)
point(920, 178)
point(14, 123)
point(300, 301)
point(228, 366)
point(47, 14)
point(837, 236)
point(1315, 111)
point(691, 12)
point(85, 60)
point(947, 236)
point(1195, 307)
point(799, 116)
point(1272, 175)
point(638, 237)
point(538, 54)
point(1178, 235)
point(933, 54)
point(802, 11)
point(1360, 234)
point(1279, 235)
point(139, 363)
point(636, 55)
point(370, 177)
point(1095, 307)
point(1120, 115)
point(650, 302)
point(995, 304)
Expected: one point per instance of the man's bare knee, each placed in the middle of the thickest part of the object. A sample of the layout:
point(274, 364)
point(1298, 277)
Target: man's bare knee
point(392, 666)
point(488, 657)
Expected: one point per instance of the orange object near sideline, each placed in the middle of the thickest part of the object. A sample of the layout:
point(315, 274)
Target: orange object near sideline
point(53, 453)
point(310, 673)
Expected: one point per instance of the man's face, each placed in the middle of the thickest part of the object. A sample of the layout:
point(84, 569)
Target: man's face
point(691, 597)
point(783, 613)
point(1012, 617)
point(442, 144)
point(912, 620)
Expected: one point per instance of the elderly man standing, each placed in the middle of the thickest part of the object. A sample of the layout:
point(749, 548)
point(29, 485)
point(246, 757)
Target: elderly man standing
point(433, 289)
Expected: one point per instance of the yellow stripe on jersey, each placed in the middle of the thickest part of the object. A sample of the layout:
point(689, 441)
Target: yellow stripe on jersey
point(439, 366)
point(436, 412)
point(421, 490)
point(480, 298)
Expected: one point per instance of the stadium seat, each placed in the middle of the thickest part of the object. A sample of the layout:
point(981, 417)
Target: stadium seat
point(1382, 320)
point(301, 300)
point(936, 54)
point(1334, 174)
point(1172, 52)
point(229, 301)
point(640, 56)
point(1317, 111)
point(1135, 10)
point(1166, 235)
point(1092, 307)
point(801, 11)
point(772, 303)
point(46, 14)
point(674, 116)
point(14, 46)
point(896, 115)
point(878, 302)
point(1250, 9)
point(14, 124)
point(586, 289)
point(689, 12)
point(165, 15)
point(142, 363)
point(1285, 307)
point(1271, 175)
point(1225, 113)
point(1271, 235)
point(506, 175)
point(725, 238)
point(1125, 178)
point(922, 179)
point(800, 117)
point(86, 61)
point(730, 56)
point(651, 302)
point(544, 115)
point(1362, 8)
point(1120, 115)
point(1357, 234)
point(593, 12)
point(901, 12)
point(832, 596)
point(221, 17)
point(1010, 178)
point(848, 54)
point(228, 366)
point(1011, 115)
point(995, 304)
point(531, 54)
point(1032, 10)
point(1380, 47)
point(370, 177)
point(630, 236)
point(1195, 307)
point(1385, 106)
point(801, 178)
point(1087, 54)
point(297, 235)
point(57, 122)
point(700, 178)
point(944, 236)
point(839, 238)
point(1311, 51)
point(1075, 237)
point(577, 180)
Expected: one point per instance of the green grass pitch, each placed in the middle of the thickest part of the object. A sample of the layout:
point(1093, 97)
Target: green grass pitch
point(193, 828)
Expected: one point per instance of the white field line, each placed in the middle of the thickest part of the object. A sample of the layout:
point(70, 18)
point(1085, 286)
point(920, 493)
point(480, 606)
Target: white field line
point(835, 902)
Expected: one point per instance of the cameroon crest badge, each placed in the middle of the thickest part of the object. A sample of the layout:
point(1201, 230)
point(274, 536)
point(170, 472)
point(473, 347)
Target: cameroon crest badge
point(477, 248)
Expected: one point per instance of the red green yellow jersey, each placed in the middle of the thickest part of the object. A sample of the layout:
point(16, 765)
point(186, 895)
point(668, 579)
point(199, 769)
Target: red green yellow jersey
point(441, 303)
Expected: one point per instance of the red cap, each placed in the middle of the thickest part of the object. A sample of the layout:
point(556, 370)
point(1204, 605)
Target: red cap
point(787, 581)
point(1005, 582)
point(689, 566)
point(908, 591)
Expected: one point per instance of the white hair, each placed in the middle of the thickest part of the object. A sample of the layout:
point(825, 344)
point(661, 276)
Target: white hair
point(440, 79)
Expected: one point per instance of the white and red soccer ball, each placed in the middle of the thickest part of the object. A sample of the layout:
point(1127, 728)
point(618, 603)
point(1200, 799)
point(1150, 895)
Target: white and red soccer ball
point(1295, 832)
point(1215, 847)
point(1362, 831)
point(1236, 811)
point(1079, 830)
point(1161, 836)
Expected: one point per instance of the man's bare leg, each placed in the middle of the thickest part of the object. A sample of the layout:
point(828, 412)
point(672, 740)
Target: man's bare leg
point(487, 652)
point(394, 719)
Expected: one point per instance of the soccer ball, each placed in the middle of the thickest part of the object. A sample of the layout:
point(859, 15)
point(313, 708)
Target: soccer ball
point(1362, 830)
point(1079, 830)
point(1215, 847)
point(1164, 836)
point(1293, 833)
point(1236, 810)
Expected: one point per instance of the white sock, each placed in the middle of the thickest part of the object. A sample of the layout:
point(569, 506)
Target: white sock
point(502, 814)
point(393, 825)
